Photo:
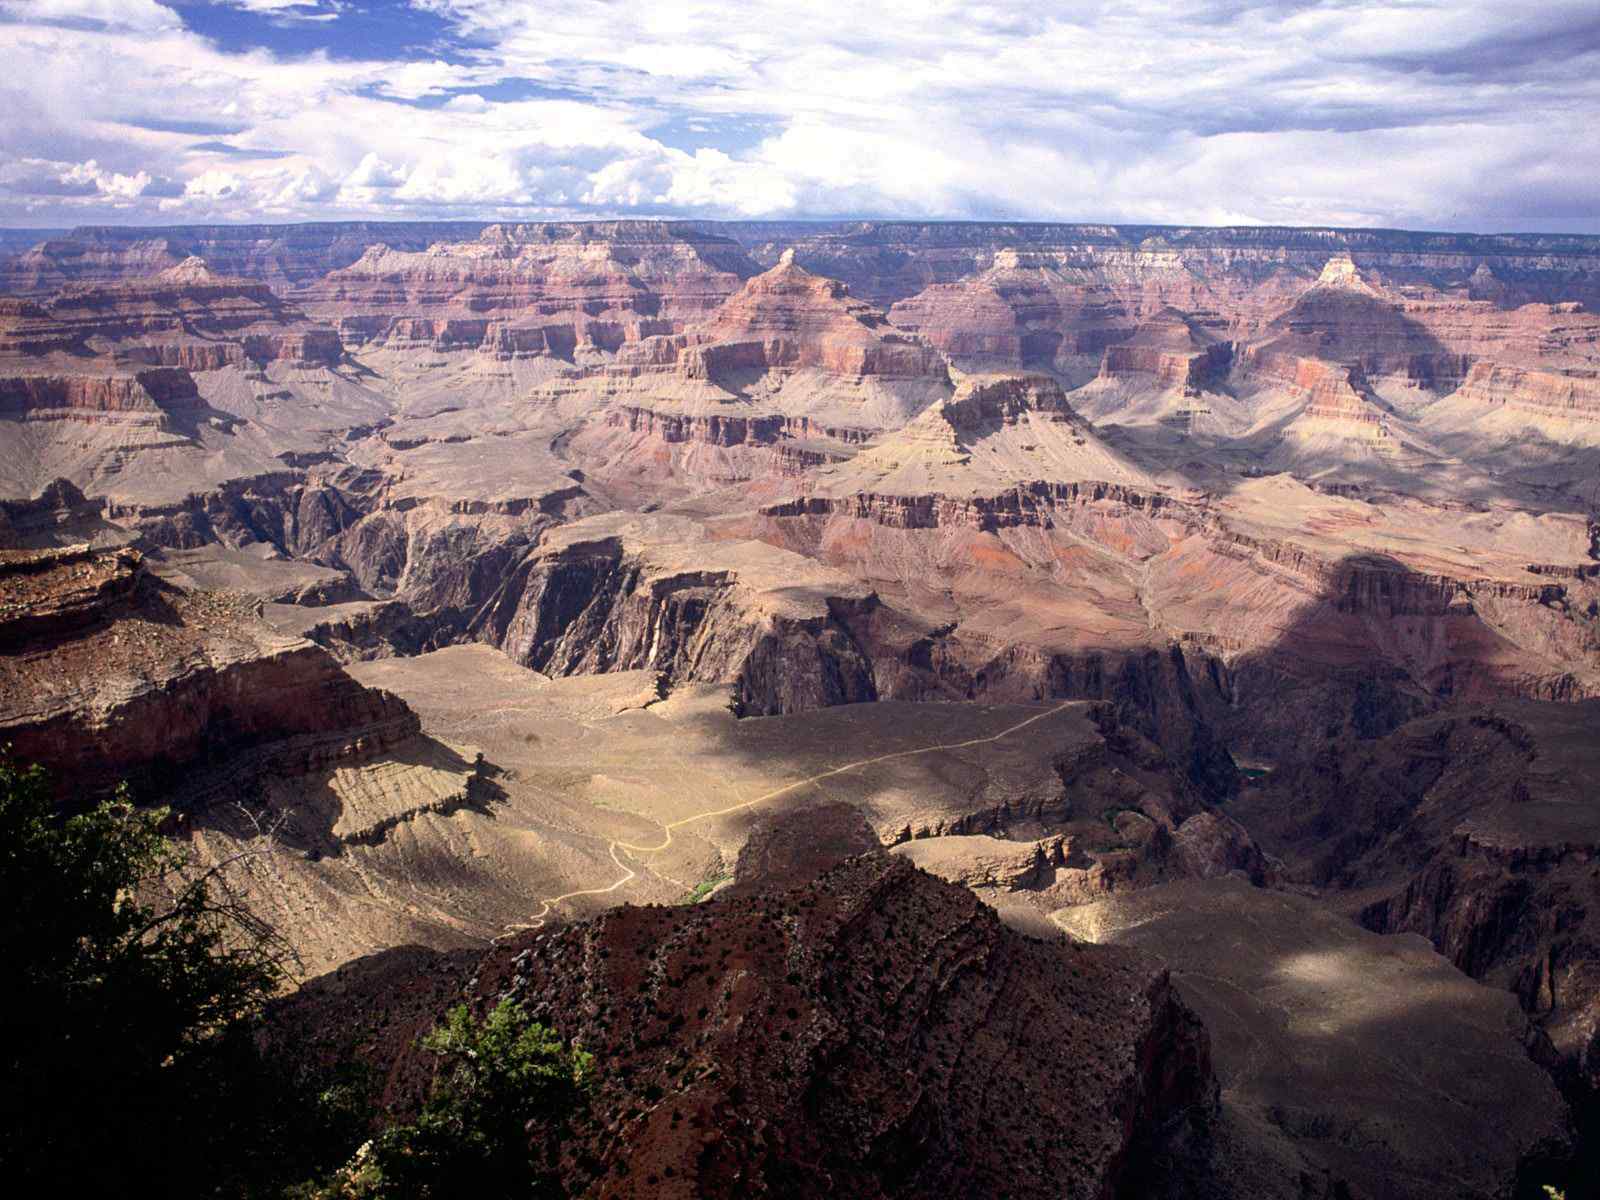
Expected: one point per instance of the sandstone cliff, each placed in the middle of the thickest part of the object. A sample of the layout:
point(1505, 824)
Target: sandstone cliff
point(112, 674)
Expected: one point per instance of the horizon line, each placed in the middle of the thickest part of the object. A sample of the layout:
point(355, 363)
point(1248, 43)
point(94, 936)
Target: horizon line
point(484, 222)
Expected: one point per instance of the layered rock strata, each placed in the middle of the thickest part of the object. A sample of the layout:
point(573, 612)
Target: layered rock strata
point(111, 674)
point(618, 593)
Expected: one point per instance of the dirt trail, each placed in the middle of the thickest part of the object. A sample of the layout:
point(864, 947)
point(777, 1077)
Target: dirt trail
point(630, 874)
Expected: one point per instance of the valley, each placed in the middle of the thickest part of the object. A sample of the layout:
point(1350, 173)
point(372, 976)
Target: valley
point(875, 605)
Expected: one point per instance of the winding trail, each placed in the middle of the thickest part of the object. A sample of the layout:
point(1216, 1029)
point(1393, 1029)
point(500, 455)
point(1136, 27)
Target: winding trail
point(629, 874)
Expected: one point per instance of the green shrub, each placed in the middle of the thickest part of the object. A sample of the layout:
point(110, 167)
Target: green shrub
point(501, 1097)
point(130, 982)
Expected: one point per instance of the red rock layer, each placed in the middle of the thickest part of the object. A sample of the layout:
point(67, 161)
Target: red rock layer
point(767, 1023)
point(1021, 310)
point(154, 677)
point(1350, 324)
point(788, 318)
point(148, 394)
point(185, 316)
point(1172, 351)
point(1546, 392)
point(613, 282)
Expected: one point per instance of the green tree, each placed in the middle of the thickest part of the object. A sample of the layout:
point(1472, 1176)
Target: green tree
point(130, 981)
point(501, 1098)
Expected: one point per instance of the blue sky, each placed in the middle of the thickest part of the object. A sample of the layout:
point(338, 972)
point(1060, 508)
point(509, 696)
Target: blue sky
point(1456, 114)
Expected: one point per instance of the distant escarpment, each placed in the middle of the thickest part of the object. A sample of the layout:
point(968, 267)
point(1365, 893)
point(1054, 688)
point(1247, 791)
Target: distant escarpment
point(742, 1044)
point(184, 316)
point(278, 255)
point(589, 286)
point(1194, 268)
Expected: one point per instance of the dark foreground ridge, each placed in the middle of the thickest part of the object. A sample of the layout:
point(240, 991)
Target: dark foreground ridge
point(875, 1033)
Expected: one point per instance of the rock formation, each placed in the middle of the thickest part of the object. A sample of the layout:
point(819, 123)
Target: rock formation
point(1474, 828)
point(113, 674)
point(745, 1044)
point(595, 285)
point(703, 553)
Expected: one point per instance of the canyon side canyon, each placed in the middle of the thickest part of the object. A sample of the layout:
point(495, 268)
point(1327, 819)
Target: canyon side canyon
point(938, 708)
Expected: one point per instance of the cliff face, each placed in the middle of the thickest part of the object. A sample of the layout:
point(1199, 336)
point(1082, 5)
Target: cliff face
point(186, 315)
point(803, 320)
point(279, 255)
point(882, 261)
point(1170, 352)
point(1191, 268)
point(1216, 612)
point(604, 595)
point(1474, 828)
point(150, 395)
point(116, 675)
point(1026, 309)
point(611, 282)
point(1573, 399)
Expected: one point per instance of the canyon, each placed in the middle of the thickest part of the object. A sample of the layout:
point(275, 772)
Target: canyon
point(990, 645)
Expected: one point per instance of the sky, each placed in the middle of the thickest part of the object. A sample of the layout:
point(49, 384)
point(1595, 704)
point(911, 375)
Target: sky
point(1476, 115)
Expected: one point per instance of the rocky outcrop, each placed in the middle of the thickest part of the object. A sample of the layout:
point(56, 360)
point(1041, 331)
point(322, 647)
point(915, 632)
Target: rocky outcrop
point(613, 594)
point(442, 557)
point(149, 396)
point(726, 429)
point(1030, 504)
point(59, 515)
point(983, 401)
point(611, 282)
point(1020, 1066)
point(1574, 398)
point(803, 320)
point(1028, 308)
point(1170, 351)
point(185, 316)
point(980, 861)
point(1343, 320)
point(48, 593)
point(115, 675)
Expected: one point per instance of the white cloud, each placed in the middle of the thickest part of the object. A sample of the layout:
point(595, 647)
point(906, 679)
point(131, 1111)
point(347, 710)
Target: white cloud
point(215, 184)
point(144, 15)
point(1455, 113)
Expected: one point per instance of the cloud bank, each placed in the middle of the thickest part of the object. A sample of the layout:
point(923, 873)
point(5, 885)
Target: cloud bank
point(1456, 114)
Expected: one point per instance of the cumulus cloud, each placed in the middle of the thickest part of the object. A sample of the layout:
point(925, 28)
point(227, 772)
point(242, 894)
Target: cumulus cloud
point(146, 15)
point(1442, 113)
